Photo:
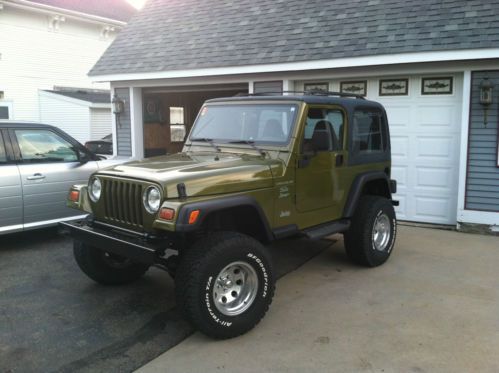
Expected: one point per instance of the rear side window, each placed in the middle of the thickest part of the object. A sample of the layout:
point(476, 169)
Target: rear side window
point(44, 146)
point(369, 133)
point(3, 157)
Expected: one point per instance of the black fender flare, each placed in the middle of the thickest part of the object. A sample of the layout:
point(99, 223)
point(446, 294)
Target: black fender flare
point(358, 185)
point(219, 204)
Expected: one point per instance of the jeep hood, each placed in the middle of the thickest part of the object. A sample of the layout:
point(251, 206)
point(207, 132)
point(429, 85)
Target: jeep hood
point(203, 173)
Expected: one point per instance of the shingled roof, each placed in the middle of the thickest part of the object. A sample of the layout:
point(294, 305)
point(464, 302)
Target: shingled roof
point(119, 10)
point(92, 96)
point(189, 34)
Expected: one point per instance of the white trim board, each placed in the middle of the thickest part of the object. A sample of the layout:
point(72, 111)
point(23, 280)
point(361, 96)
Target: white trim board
point(478, 217)
point(387, 59)
point(49, 9)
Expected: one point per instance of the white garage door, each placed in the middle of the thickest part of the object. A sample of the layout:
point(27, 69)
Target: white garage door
point(425, 134)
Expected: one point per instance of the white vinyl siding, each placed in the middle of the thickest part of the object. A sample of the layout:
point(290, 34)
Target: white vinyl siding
point(70, 117)
point(482, 181)
point(100, 123)
point(34, 57)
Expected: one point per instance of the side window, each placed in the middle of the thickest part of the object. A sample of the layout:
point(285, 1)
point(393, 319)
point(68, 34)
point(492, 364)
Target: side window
point(3, 156)
point(324, 130)
point(368, 132)
point(44, 146)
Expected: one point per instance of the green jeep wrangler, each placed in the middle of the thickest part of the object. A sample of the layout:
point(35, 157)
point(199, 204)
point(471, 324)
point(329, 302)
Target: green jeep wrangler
point(254, 169)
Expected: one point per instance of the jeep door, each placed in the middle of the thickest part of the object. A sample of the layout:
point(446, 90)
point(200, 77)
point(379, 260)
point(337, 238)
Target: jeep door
point(11, 201)
point(48, 164)
point(320, 185)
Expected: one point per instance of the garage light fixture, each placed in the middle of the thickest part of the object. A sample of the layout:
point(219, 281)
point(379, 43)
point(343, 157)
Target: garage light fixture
point(118, 108)
point(486, 99)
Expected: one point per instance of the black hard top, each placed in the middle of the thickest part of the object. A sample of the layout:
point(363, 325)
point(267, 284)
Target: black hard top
point(347, 102)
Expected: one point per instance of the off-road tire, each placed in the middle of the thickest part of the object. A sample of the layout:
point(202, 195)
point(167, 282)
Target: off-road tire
point(359, 243)
point(197, 276)
point(93, 263)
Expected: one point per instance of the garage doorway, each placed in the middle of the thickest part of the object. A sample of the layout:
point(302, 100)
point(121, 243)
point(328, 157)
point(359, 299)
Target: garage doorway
point(169, 113)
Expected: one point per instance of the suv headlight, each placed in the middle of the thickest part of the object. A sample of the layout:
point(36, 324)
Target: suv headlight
point(152, 199)
point(94, 189)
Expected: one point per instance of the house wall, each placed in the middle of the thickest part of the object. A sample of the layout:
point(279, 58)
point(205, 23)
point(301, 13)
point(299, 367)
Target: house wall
point(35, 56)
point(123, 126)
point(100, 123)
point(482, 175)
point(66, 115)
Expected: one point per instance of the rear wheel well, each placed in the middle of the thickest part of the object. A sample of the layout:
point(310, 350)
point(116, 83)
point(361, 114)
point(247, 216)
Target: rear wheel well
point(243, 219)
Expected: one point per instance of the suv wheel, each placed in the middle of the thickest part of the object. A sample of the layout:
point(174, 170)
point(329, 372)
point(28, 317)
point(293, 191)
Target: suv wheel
point(225, 284)
point(371, 237)
point(106, 268)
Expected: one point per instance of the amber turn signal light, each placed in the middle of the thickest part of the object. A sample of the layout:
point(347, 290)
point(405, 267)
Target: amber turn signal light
point(74, 196)
point(193, 216)
point(167, 214)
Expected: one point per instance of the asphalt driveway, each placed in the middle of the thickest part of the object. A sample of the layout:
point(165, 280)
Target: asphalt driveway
point(53, 318)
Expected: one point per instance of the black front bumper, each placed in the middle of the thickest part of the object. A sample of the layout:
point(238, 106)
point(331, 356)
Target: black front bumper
point(135, 247)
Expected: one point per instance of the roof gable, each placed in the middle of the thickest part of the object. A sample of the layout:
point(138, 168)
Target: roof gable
point(190, 34)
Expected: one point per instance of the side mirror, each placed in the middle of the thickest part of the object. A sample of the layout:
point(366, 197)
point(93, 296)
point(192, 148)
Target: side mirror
point(83, 157)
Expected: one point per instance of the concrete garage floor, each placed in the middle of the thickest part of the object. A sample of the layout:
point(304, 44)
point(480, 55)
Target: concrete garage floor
point(433, 307)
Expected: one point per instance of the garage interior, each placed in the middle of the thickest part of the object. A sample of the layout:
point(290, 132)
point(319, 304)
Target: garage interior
point(169, 113)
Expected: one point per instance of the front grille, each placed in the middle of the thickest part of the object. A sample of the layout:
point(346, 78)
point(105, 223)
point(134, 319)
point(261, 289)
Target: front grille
point(123, 202)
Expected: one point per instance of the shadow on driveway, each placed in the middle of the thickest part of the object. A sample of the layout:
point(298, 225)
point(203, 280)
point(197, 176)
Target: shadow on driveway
point(53, 318)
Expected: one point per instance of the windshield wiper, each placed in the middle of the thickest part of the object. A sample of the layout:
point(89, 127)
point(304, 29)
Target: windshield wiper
point(205, 139)
point(248, 142)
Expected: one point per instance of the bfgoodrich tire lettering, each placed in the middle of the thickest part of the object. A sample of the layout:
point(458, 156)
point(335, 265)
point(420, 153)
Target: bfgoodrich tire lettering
point(198, 276)
point(371, 237)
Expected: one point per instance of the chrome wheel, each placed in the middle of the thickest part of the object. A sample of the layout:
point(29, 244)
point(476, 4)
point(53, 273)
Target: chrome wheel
point(235, 288)
point(381, 232)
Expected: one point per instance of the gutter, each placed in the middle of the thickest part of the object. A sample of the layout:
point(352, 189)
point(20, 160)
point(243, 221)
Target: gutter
point(49, 9)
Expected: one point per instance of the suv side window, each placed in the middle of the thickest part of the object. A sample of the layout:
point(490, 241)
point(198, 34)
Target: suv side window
point(369, 134)
point(39, 145)
point(3, 156)
point(324, 130)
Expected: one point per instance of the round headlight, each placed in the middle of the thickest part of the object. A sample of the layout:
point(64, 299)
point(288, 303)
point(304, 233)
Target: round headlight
point(95, 189)
point(152, 199)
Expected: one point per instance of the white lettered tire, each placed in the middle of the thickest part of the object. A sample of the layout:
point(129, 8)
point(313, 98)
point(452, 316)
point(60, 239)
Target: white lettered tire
point(225, 284)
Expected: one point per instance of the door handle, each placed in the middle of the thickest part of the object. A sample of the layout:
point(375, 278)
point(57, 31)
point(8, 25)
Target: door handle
point(36, 176)
point(339, 160)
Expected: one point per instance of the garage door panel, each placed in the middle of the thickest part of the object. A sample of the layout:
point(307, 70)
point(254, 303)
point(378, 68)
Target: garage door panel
point(401, 209)
point(400, 147)
point(442, 147)
point(400, 173)
point(397, 115)
point(432, 209)
point(434, 177)
point(437, 116)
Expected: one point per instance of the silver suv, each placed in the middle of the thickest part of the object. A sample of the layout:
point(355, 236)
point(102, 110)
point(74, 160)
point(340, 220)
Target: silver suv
point(38, 165)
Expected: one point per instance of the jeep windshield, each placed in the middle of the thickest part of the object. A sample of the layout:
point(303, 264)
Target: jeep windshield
point(245, 124)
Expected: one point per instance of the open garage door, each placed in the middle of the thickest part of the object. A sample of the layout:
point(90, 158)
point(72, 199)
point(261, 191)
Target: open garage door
point(169, 113)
